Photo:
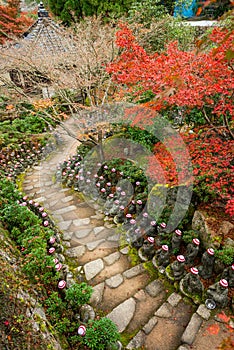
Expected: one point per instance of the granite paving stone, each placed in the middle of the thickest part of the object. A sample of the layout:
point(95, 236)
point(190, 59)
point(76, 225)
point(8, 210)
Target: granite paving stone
point(134, 271)
point(150, 325)
point(174, 299)
point(203, 312)
point(67, 199)
point(94, 244)
point(97, 230)
point(192, 329)
point(154, 288)
point(93, 268)
point(97, 295)
point(114, 281)
point(64, 225)
point(164, 311)
point(67, 235)
point(81, 222)
point(112, 258)
point(82, 233)
point(122, 314)
point(137, 342)
point(75, 252)
point(65, 209)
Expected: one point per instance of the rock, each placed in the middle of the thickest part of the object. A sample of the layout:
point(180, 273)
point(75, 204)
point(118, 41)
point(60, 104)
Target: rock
point(81, 222)
point(154, 288)
point(82, 233)
point(164, 311)
point(97, 230)
point(64, 225)
point(86, 313)
point(63, 210)
point(67, 235)
point(76, 252)
point(97, 295)
point(150, 325)
point(114, 281)
point(112, 258)
point(124, 250)
point(183, 347)
point(93, 245)
point(203, 312)
point(134, 271)
point(229, 242)
point(174, 299)
point(137, 342)
point(93, 268)
point(225, 228)
point(200, 224)
point(122, 314)
point(192, 329)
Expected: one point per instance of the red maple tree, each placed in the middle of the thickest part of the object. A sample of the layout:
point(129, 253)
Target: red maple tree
point(198, 78)
point(12, 21)
point(202, 79)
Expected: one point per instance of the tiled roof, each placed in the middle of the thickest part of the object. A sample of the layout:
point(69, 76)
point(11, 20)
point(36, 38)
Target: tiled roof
point(46, 35)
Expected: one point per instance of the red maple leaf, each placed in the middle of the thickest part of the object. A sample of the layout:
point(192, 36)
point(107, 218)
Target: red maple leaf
point(213, 329)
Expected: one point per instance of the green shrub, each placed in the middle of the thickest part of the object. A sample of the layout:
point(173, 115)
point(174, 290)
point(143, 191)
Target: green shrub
point(226, 255)
point(55, 306)
point(189, 235)
point(100, 334)
point(78, 294)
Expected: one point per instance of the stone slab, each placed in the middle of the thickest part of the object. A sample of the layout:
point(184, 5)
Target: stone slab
point(114, 281)
point(76, 252)
point(150, 325)
point(154, 288)
point(124, 250)
point(82, 233)
point(137, 342)
point(65, 210)
point(81, 222)
point(122, 314)
point(67, 235)
point(183, 347)
point(112, 258)
point(203, 312)
point(97, 230)
point(174, 299)
point(165, 311)
point(93, 268)
point(67, 199)
point(134, 271)
point(97, 295)
point(93, 245)
point(114, 238)
point(64, 225)
point(192, 329)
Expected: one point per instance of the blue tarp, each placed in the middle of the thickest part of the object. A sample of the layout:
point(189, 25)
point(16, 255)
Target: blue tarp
point(185, 9)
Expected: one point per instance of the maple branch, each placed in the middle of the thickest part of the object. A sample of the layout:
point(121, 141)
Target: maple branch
point(209, 121)
point(228, 126)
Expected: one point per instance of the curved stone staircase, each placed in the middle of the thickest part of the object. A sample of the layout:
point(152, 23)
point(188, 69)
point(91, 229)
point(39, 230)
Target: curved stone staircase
point(147, 313)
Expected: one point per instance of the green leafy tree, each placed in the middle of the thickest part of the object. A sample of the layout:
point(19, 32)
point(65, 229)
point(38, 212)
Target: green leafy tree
point(71, 10)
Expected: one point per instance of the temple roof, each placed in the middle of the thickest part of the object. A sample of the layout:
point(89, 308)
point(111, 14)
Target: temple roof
point(47, 35)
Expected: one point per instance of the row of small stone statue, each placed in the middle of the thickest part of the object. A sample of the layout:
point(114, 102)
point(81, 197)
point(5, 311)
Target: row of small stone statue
point(190, 282)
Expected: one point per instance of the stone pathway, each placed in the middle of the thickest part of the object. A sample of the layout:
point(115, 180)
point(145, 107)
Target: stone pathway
point(143, 310)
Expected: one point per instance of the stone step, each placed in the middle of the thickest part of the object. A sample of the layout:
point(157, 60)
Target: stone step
point(173, 316)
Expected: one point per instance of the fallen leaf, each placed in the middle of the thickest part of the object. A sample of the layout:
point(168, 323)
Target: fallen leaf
point(213, 329)
point(224, 317)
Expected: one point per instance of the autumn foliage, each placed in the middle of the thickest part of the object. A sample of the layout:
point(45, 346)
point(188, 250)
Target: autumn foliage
point(12, 21)
point(183, 78)
point(203, 79)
